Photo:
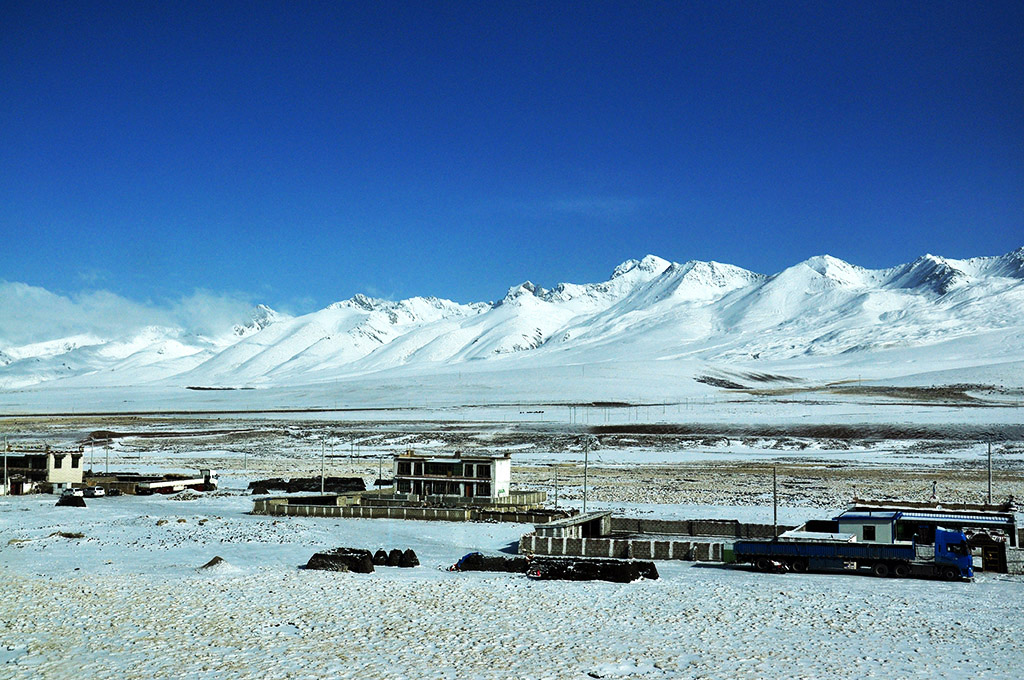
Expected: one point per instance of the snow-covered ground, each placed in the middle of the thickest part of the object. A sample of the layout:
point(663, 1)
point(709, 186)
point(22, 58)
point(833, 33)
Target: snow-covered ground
point(127, 600)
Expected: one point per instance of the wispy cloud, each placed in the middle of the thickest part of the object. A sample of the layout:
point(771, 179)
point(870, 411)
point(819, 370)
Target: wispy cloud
point(596, 206)
point(32, 314)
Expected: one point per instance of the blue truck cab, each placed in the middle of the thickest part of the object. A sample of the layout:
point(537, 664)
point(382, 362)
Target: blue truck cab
point(951, 550)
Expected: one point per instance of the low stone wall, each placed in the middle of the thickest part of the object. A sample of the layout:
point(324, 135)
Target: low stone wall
point(623, 548)
point(1015, 561)
point(288, 510)
point(289, 507)
point(514, 517)
point(729, 528)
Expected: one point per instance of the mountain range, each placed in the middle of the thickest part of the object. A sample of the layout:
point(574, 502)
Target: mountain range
point(821, 317)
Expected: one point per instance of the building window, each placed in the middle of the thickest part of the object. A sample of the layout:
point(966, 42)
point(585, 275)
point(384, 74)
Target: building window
point(869, 532)
point(467, 470)
point(58, 462)
point(75, 460)
point(483, 471)
point(483, 489)
point(418, 469)
point(404, 486)
point(404, 467)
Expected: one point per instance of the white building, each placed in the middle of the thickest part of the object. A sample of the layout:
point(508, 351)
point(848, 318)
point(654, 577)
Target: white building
point(28, 469)
point(464, 475)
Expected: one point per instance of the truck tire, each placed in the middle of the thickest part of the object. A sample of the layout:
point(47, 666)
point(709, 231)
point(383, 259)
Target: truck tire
point(950, 574)
point(763, 564)
point(798, 566)
point(880, 569)
point(901, 570)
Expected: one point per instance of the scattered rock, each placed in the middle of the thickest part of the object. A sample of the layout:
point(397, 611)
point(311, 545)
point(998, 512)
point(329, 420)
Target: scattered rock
point(216, 561)
point(479, 562)
point(380, 558)
point(70, 502)
point(394, 558)
point(309, 485)
point(343, 559)
point(409, 559)
point(570, 569)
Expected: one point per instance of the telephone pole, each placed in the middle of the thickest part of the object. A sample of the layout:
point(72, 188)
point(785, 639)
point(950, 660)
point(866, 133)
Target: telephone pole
point(586, 461)
point(775, 501)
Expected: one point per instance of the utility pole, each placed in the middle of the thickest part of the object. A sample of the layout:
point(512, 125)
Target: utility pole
point(7, 491)
point(990, 473)
point(106, 469)
point(323, 454)
point(586, 461)
point(556, 487)
point(775, 501)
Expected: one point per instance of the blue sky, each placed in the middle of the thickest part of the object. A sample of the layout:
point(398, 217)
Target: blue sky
point(297, 153)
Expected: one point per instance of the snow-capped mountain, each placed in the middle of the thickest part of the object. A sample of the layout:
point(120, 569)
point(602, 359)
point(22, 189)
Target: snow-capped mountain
point(820, 312)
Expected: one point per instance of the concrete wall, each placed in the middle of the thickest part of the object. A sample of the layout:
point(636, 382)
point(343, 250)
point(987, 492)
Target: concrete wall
point(287, 507)
point(70, 471)
point(695, 527)
point(269, 507)
point(1015, 561)
point(635, 548)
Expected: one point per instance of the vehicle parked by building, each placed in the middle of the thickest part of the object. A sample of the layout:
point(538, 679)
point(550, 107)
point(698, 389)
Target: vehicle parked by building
point(949, 557)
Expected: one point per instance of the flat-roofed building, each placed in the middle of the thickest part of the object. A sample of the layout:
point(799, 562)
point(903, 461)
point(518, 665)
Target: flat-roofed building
point(28, 469)
point(468, 476)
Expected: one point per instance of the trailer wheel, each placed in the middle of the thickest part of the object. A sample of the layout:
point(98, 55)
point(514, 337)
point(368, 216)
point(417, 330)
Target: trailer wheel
point(880, 569)
point(949, 573)
point(799, 566)
point(763, 564)
point(901, 570)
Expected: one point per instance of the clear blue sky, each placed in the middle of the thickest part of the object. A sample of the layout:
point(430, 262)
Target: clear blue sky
point(298, 153)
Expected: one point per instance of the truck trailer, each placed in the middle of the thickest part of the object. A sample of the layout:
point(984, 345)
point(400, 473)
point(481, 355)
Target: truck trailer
point(949, 558)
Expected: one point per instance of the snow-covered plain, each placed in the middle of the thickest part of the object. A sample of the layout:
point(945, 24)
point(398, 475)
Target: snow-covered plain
point(127, 600)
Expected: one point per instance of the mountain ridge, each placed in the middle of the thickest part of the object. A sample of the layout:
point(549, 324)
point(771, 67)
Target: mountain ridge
point(648, 309)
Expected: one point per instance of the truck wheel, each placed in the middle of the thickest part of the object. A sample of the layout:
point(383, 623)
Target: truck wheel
point(799, 566)
point(880, 569)
point(901, 570)
point(949, 573)
point(763, 564)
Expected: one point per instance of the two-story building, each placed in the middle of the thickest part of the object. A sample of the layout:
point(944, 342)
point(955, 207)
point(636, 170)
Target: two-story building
point(28, 469)
point(475, 476)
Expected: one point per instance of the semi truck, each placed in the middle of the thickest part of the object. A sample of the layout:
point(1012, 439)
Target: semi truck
point(949, 558)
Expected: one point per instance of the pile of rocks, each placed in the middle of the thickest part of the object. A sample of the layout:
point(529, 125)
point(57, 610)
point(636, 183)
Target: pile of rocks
point(361, 561)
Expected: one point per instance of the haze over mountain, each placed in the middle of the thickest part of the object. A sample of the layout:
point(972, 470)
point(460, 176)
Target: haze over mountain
point(822, 317)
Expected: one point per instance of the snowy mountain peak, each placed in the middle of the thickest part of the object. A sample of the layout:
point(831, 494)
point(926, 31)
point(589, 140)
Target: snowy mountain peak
point(839, 271)
point(651, 264)
point(260, 317)
point(525, 289)
point(930, 273)
point(716, 274)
